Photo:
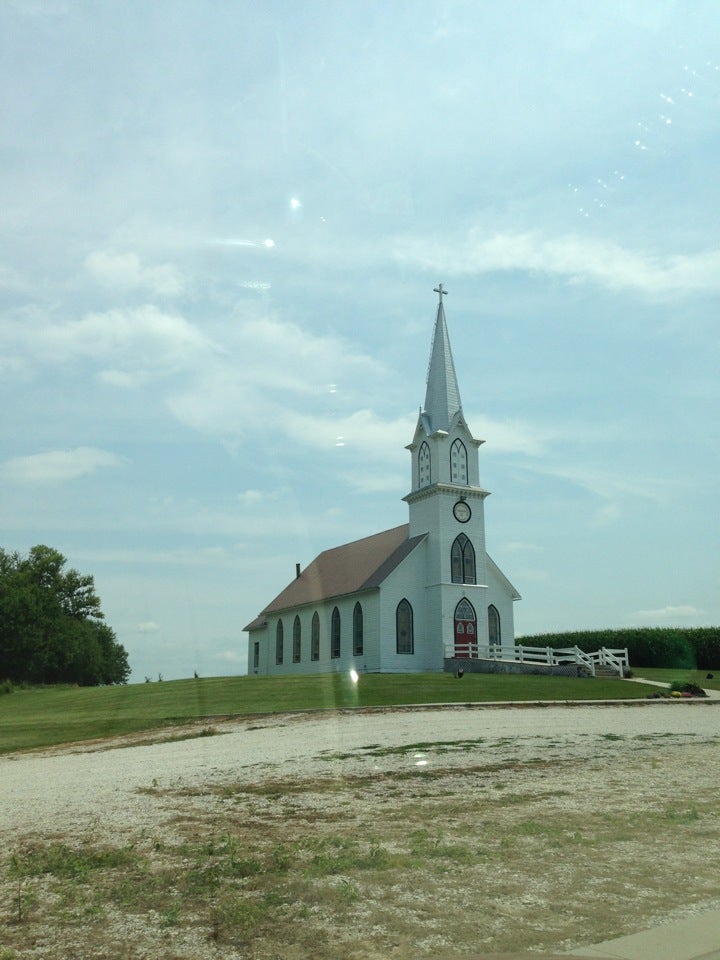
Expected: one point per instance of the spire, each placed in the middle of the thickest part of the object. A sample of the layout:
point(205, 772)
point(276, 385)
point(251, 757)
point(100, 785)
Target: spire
point(442, 397)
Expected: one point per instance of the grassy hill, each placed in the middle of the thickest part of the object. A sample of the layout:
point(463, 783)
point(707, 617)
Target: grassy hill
point(37, 717)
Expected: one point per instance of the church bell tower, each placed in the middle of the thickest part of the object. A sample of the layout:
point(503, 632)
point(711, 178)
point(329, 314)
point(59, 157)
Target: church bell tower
point(446, 502)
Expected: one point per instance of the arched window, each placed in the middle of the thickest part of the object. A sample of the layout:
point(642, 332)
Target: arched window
point(462, 560)
point(279, 642)
point(458, 462)
point(315, 637)
point(405, 639)
point(357, 631)
point(335, 634)
point(465, 611)
point(297, 640)
point(424, 465)
point(494, 625)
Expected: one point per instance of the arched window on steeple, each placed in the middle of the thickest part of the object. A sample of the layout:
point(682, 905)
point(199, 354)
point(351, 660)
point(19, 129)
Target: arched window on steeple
point(404, 634)
point(335, 634)
point(297, 639)
point(357, 631)
point(494, 625)
point(279, 642)
point(315, 637)
point(458, 462)
point(424, 465)
point(462, 560)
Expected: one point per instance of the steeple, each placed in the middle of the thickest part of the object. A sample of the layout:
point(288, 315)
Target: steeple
point(442, 397)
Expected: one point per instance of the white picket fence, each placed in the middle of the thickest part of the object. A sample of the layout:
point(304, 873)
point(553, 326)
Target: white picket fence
point(616, 660)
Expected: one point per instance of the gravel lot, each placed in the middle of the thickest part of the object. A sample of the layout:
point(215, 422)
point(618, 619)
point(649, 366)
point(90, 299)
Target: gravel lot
point(538, 828)
point(64, 788)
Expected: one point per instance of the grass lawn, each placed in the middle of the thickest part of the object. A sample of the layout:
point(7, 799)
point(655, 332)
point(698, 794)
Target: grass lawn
point(39, 717)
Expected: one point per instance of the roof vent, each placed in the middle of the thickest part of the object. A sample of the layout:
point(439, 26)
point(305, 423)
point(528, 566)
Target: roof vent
point(297, 570)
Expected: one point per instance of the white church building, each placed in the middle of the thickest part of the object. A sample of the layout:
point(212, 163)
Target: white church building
point(411, 598)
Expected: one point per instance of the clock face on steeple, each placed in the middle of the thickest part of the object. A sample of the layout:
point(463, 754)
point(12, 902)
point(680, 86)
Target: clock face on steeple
point(462, 511)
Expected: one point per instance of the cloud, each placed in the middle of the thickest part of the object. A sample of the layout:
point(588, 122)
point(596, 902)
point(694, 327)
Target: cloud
point(530, 575)
point(613, 491)
point(519, 546)
point(670, 614)
point(230, 656)
point(513, 436)
point(11, 281)
point(251, 497)
point(362, 431)
point(273, 375)
point(149, 626)
point(124, 379)
point(377, 478)
point(607, 485)
point(609, 513)
point(58, 466)
point(125, 272)
point(128, 345)
point(576, 258)
point(297, 359)
point(195, 557)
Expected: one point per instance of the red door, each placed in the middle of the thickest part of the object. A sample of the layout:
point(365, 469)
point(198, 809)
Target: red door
point(465, 641)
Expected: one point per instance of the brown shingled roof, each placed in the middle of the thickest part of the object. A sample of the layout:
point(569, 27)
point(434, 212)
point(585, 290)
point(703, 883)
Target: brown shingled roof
point(360, 565)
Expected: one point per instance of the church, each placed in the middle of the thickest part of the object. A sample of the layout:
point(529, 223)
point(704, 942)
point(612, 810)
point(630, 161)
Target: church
point(413, 598)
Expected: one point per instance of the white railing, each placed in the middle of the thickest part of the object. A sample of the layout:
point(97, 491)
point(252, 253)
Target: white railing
point(617, 660)
point(575, 655)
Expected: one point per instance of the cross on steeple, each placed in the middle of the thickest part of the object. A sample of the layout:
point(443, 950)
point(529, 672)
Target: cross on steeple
point(439, 290)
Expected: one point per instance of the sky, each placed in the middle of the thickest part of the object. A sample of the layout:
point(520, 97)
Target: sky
point(222, 223)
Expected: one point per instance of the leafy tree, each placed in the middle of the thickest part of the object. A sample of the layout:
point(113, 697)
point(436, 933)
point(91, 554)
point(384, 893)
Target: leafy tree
point(52, 628)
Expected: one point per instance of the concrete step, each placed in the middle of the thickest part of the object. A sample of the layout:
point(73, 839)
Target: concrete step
point(606, 673)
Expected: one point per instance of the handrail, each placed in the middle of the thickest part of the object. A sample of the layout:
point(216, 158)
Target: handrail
point(617, 659)
point(585, 659)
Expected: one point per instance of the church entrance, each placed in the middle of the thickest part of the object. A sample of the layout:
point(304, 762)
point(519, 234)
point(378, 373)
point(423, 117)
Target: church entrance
point(465, 630)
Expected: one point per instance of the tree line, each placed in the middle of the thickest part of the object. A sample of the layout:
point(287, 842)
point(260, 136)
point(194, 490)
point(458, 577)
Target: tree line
point(52, 629)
